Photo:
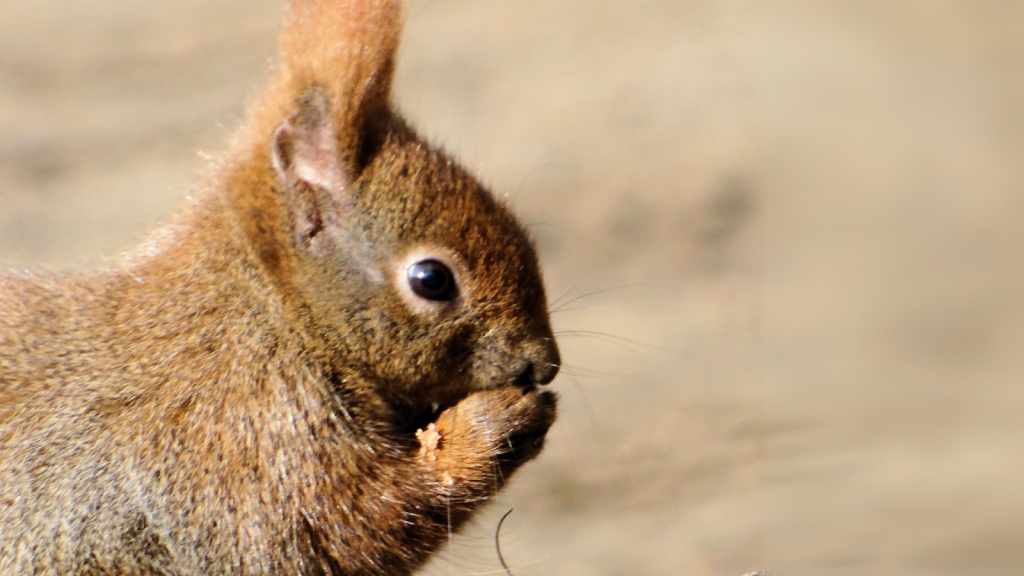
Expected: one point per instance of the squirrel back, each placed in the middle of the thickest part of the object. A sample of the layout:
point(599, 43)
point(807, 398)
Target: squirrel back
point(324, 364)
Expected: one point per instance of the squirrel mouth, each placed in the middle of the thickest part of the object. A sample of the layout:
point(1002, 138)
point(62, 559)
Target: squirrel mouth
point(525, 381)
point(414, 418)
point(419, 420)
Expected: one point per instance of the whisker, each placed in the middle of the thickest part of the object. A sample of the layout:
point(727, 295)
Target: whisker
point(615, 339)
point(572, 233)
point(448, 493)
point(500, 473)
point(497, 543)
point(564, 294)
point(496, 470)
point(515, 195)
point(589, 294)
point(584, 396)
point(448, 505)
point(552, 312)
point(590, 373)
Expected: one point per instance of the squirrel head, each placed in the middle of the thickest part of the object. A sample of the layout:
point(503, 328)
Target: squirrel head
point(398, 265)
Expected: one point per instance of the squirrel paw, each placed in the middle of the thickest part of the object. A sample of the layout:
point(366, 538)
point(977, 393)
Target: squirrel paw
point(506, 427)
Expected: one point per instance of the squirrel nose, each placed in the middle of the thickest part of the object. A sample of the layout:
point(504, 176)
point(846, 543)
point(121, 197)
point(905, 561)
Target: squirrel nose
point(545, 373)
point(543, 361)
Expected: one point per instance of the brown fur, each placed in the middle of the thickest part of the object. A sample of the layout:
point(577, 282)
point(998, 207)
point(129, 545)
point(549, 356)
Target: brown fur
point(240, 395)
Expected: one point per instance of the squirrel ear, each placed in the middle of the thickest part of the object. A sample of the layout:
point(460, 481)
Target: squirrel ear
point(346, 48)
point(318, 124)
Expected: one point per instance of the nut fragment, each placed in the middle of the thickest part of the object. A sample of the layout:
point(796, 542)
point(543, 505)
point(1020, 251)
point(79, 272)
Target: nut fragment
point(428, 442)
point(429, 439)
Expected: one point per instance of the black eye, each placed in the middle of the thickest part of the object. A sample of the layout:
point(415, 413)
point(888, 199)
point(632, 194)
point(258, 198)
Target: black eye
point(432, 280)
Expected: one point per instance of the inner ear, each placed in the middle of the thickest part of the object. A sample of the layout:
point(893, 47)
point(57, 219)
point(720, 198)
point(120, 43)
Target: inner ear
point(306, 145)
point(305, 158)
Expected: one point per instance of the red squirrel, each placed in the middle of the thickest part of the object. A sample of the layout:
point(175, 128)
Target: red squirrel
point(322, 365)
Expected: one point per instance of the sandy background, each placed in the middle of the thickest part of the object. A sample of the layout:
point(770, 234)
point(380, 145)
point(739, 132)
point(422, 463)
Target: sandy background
point(844, 403)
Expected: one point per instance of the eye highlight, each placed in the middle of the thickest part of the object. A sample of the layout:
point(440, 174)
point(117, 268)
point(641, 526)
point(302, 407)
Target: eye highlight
point(431, 280)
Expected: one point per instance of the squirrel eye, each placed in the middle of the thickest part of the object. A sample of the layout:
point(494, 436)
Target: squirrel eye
point(432, 280)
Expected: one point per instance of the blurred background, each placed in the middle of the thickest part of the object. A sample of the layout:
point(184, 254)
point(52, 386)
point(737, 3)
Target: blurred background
point(780, 239)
